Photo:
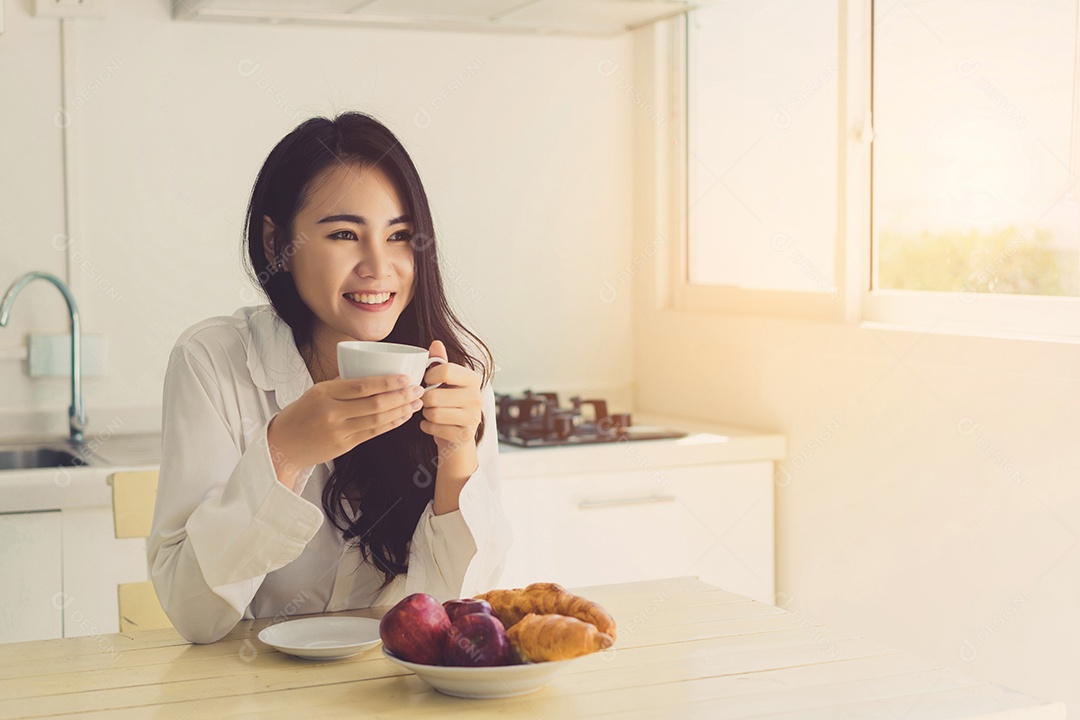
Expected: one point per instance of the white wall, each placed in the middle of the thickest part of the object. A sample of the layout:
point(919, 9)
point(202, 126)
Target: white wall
point(31, 192)
point(525, 150)
point(931, 497)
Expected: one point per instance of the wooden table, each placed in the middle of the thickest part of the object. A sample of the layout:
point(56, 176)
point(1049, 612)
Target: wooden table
point(685, 649)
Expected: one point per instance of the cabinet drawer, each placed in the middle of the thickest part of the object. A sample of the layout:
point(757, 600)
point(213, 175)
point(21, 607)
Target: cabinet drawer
point(713, 521)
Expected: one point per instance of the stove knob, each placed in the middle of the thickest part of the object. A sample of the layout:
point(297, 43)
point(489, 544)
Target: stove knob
point(564, 426)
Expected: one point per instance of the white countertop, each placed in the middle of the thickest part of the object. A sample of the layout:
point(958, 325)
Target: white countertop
point(705, 444)
point(57, 488)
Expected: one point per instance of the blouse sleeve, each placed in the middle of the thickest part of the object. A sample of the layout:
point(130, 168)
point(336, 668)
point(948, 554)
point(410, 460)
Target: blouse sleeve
point(222, 521)
point(463, 553)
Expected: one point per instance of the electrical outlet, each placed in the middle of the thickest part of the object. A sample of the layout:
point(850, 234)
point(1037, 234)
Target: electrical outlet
point(50, 355)
point(69, 8)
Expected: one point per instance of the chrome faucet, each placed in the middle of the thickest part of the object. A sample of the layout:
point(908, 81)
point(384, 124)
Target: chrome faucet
point(76, 414)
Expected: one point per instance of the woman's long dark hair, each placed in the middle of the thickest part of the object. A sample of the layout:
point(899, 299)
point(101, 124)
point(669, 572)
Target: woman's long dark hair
point(392, 475)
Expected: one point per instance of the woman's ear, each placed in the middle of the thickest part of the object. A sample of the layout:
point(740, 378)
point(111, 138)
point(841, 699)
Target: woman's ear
point(268, 240)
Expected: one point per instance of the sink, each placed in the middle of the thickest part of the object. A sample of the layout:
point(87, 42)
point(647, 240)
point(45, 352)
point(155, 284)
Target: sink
point(32, 452)
point(29, 457)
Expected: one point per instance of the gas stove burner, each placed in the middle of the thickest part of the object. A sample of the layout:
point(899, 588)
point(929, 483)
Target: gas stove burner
point(536, 420)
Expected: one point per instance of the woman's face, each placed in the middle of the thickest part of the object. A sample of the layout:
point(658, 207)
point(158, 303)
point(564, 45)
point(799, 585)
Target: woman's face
point(351, 246)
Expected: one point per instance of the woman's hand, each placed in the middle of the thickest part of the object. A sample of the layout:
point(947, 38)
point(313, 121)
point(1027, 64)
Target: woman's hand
point(451, 415)
point(335, 416)
point(452, 412)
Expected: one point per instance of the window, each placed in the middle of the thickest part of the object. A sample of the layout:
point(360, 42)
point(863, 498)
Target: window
point(957, 208)
point(760, 168)
point(761, 145)
point(974, 157)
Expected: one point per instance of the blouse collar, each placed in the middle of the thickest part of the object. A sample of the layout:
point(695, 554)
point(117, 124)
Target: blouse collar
point(272, 357)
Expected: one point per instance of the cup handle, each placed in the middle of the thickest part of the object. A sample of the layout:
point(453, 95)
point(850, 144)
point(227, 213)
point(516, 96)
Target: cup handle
point(433, 360)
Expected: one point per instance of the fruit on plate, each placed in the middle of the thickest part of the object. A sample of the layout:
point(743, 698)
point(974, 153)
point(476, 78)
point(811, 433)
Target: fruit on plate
point(476, 640)
point(539, 638)
point(416, 629)
point(510, 606)
point(464, 606)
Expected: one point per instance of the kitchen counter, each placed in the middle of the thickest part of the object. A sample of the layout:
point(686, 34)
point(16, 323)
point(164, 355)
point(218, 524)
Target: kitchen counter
point(705, 443)
point(684, 649)
point(84, 486)
point(79, 486)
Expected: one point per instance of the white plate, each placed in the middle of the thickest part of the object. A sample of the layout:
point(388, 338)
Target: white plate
point(323, 638)
point(485, 682)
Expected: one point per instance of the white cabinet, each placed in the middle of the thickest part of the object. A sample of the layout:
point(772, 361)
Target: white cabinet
point(73, 557)
point(95, 562)
point(732, 527)
point(59, 571)
point(713, 521)
point(30, 576)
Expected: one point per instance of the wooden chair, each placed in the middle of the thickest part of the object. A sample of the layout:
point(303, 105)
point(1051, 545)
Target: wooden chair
point(133, 494)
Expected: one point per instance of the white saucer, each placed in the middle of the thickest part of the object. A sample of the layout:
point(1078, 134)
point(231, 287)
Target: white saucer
point(323, 638)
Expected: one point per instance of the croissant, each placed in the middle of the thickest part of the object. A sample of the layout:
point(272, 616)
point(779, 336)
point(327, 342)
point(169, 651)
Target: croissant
point(539, 638)
point(546, 598)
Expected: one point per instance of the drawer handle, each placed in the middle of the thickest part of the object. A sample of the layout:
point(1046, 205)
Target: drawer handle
point(592, 504)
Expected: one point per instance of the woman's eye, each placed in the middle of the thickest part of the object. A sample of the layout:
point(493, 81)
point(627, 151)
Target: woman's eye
point(349, 235)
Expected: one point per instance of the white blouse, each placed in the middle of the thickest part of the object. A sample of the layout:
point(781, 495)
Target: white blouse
point(230, 542)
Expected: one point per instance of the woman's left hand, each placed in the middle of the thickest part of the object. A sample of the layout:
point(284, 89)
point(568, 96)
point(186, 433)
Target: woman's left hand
point(452, 411)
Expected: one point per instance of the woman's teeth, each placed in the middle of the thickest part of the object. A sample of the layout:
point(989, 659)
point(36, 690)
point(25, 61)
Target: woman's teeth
point(376, 299)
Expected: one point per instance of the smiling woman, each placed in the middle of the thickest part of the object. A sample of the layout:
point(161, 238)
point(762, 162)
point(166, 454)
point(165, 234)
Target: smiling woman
point(262, 440)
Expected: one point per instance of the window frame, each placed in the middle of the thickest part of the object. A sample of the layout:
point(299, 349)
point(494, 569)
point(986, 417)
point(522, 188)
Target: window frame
point(856, 301)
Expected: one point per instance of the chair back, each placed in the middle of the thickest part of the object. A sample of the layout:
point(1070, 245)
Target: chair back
point(133, 495)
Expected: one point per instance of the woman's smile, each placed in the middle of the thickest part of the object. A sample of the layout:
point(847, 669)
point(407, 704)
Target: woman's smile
point(355, 300)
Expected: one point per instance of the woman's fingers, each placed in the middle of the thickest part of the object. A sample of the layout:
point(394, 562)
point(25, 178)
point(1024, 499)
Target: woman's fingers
point(451, 414)
point(381, 417)
point(447, 423)
point(452, 374)
point(353, 388)
point(448, 416)
point(450, 397)
point(384, 402)
point(371, 426)
point(455, 434)
point(374, 405)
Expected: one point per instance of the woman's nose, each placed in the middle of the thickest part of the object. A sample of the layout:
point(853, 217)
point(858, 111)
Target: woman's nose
point(374, 262)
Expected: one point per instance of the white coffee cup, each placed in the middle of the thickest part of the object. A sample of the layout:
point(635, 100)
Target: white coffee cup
point(363, 358)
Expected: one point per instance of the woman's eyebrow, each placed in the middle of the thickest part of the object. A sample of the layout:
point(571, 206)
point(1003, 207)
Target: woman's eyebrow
point(359, 220)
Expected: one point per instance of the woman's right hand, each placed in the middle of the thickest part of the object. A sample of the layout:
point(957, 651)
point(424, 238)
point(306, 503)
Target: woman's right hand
point(335, 416)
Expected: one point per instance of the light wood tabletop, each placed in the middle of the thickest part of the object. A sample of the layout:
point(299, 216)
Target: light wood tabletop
point(684, 649)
